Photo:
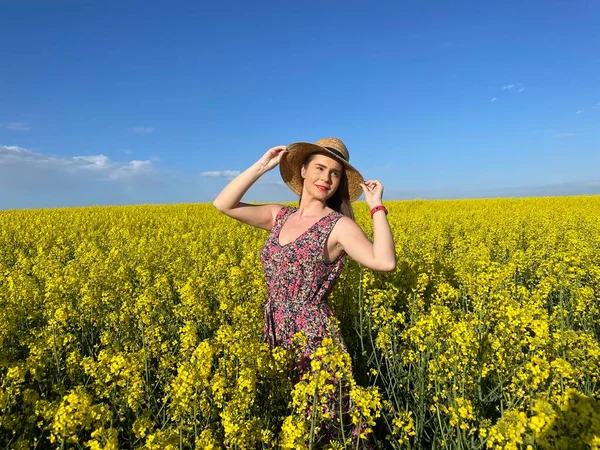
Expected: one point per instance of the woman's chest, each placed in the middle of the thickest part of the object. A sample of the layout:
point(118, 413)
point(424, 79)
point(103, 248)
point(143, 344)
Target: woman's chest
point(300, 253)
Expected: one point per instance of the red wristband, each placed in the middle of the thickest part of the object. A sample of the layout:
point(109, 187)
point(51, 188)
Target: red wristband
point(379, 208)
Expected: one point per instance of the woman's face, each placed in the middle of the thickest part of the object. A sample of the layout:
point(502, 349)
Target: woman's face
point(322, 176)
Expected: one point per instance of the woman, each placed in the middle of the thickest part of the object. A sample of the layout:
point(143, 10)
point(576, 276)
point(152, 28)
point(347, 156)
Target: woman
point(306, 249)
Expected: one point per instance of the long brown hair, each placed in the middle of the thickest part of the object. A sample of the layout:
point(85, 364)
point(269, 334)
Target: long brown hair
point(340, 200)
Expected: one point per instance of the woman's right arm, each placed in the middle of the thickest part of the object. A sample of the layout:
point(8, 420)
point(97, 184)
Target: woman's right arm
point(228, 201)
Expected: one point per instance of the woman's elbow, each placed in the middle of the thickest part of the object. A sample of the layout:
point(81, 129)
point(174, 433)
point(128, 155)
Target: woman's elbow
point(387, 263)
point(385, 266)
point(219, 206)
point(388, 267)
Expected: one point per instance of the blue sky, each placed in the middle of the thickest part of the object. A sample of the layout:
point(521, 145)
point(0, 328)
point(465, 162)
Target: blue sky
point(105, 102)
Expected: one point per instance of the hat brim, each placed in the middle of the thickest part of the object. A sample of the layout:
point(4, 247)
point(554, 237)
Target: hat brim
point(291, 162)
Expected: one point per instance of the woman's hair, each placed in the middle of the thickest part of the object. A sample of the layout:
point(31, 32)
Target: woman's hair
point(340, 200)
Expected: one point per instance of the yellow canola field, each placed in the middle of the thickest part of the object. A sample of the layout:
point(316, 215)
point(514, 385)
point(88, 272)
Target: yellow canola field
point(140, 327)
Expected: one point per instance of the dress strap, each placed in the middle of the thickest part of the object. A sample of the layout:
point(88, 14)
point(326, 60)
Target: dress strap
point(280, 218)
point(322, 232)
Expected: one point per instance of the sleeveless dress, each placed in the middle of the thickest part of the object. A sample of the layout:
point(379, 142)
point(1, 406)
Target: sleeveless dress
point(299, 280)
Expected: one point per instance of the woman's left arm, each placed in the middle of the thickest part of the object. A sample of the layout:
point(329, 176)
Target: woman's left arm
point(379, 255)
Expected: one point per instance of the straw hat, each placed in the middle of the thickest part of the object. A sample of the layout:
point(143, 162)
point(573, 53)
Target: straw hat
point(291, 162)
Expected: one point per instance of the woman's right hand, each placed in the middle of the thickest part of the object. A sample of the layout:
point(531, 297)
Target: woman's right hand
point(272, 157)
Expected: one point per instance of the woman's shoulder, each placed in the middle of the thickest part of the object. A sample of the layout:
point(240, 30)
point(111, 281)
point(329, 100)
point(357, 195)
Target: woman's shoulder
point(342, 226)
point(343, 223)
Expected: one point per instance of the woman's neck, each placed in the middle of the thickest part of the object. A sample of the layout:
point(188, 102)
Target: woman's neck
point(314, 208)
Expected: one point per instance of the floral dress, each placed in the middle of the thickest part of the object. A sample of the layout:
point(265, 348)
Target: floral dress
point(299, 280)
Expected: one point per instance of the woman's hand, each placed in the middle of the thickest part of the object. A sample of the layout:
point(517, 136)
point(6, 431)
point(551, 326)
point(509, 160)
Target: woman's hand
point(272, 157)
point(373, 190)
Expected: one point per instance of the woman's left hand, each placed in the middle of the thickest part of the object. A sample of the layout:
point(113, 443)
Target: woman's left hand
point(373, 190)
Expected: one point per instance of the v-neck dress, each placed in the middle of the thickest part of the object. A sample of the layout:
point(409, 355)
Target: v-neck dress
point(299, 280)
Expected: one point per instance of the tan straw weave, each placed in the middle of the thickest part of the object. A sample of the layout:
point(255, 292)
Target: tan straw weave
point(291, 162)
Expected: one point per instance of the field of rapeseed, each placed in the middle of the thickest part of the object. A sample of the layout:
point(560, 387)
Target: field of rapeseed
point(140, 327)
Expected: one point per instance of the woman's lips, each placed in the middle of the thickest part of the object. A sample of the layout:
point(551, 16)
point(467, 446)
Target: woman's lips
point(322, 188)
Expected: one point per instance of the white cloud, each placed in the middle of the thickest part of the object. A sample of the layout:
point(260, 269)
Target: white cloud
point(221, 173)
point(510, 86)
point(30, 170)
point(494, 99)
point(561, 135)
point(30, 178)
point(142, 130)
point(521, 89)
point(16, 126)
point(579, 112)
point(14, 148)
point(127, 151)
point(97, 162)
point(132, 169)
